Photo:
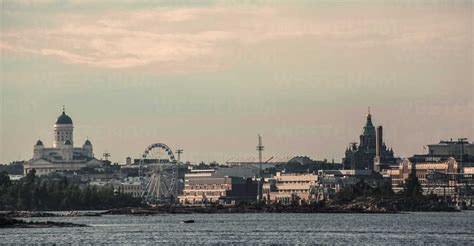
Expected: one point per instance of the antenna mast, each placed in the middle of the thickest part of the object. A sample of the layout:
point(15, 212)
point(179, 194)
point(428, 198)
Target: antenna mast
point(260, 149)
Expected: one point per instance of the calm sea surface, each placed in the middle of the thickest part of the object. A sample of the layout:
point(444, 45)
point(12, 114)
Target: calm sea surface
point(407, 228)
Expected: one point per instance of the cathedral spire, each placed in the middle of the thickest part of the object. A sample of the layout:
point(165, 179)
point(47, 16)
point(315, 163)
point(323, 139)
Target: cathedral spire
point(369, 128)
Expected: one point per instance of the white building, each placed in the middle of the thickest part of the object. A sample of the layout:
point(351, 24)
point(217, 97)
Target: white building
point(129, 186)
point(286, 188)
point(63, 156)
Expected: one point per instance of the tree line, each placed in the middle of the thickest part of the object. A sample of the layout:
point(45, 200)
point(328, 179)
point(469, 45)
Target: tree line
point(58, 193)
point(412, 189)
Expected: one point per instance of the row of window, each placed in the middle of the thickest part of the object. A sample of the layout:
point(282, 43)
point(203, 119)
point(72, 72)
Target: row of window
point(63, 138)
point(63, 134)
point(46, 170)
point(295, 182)
point(128, 188)
point(135, 194)
point(208, 193)
point(206, 187)
point(284, 191)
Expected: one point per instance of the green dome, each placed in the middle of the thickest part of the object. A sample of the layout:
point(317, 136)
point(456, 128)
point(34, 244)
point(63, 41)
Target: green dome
point(64, 119)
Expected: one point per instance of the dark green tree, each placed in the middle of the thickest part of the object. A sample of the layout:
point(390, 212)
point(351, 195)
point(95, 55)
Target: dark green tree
point(412, 186)
point(344, 195)
point(58, 193)
point(5, 180)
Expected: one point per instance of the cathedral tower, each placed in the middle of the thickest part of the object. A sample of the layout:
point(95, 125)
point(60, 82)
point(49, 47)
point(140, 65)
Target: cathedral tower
point(63, 130)
point(367, 139)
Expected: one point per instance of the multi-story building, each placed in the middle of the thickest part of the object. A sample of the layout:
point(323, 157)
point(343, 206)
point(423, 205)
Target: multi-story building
point(444, 170)
point(422, 170)
point(209, 186)
point(288, 188)
point(437, 177)
point(460, 149)
point(63, 156)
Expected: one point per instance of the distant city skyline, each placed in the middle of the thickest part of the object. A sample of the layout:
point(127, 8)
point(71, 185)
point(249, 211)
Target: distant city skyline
point(209, 77)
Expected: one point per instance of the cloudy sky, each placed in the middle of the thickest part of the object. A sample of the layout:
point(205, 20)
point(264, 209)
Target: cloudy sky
point(208, 76)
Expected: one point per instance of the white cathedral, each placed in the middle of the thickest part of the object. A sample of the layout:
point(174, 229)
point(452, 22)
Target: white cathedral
point(63, 156)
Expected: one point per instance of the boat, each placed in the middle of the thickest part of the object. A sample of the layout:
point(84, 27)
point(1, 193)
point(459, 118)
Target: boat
point(187, 221)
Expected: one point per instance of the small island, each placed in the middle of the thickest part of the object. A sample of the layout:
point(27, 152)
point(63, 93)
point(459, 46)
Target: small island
point(8, 222)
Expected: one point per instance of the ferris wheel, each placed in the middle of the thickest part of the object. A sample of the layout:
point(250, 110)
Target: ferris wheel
point(158, 173)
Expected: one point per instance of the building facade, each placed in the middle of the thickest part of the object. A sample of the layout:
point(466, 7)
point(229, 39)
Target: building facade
point(63, 156)
point(441, 178)
point(208, 186)
point(289, 188)
point(422, 170)
point(461, 150)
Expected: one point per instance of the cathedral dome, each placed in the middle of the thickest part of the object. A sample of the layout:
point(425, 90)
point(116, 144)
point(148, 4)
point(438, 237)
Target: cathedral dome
point(39, 142)
point(88, 142)
point(67, 142)
point(64, 119)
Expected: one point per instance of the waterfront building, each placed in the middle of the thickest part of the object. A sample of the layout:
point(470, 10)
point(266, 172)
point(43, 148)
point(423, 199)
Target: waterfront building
point(444, 170)
point(63, 156)
point(422, 169)
point(288, 188)
point(361, 156)
point(208, 186)
point(235, 171)
point(460, 149)
point(437, 177)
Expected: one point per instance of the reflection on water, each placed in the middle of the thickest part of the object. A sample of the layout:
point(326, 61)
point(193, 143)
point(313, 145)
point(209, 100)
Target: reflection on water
point(412, 228)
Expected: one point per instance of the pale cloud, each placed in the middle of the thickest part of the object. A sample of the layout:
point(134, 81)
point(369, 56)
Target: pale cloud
point(185, 37)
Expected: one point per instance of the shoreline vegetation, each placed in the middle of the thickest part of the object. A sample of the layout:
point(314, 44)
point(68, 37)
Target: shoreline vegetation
point(57, 193)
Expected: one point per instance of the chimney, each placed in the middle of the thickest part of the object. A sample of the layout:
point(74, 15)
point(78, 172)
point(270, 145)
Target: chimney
point(378, 149)
point(378, 141)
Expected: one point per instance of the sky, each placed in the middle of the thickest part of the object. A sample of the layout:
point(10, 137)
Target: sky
point(209, 76)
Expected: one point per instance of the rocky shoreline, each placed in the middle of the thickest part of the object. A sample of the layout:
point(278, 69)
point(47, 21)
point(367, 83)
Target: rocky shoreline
point(8, 222)
point(396, 204)
point(369, 204)
point(355, 207)
point(39, 214)
point(222, 210)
